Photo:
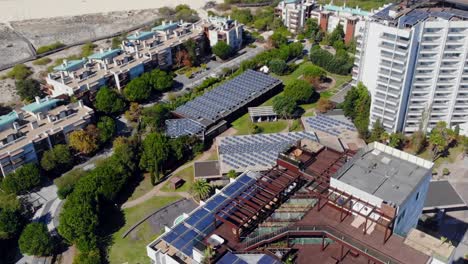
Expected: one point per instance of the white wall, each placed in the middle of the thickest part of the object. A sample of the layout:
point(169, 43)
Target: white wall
point(59, 88)
point(374, 200)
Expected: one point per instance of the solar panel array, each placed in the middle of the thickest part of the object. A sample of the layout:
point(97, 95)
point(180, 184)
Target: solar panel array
point(201, 222)
point(256, 152)
point(183, 127)
point(228, 97)
point(230, 258)
point(328, 124)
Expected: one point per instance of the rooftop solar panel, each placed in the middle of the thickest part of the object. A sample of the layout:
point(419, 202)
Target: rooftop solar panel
point(221, 101)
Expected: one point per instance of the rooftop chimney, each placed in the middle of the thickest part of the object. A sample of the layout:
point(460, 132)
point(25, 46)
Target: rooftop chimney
point(80, 103)
point(101, 50)
point(38, 99)
point(49, 118)
point(16, 126)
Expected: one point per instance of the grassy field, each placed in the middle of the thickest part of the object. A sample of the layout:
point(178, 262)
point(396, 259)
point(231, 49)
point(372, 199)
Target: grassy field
point(364, 4)
point(143, 187)
point(243, 125)
point(187, 175)
point(133, 250)
point(450, 158)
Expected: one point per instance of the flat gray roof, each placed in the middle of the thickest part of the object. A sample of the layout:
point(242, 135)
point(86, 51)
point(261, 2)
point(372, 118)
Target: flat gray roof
point(207, 169)
point(383, 173)
point(441, 194)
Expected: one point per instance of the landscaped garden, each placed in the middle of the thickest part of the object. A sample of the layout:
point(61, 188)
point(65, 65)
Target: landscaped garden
point(132, 248)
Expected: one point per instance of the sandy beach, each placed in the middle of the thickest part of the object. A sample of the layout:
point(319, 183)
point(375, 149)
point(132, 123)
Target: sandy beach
point(15, 10)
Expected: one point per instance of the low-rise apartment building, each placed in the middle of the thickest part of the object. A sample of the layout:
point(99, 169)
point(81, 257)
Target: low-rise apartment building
point(142, 51)
point(25, 134)
point(224, 29)
point(412, 57)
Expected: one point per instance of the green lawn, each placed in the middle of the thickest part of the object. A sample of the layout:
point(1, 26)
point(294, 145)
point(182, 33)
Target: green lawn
point(143, 187)
point(187, 175)
point(450, 158)
point(296, 126)
point(244, 125)
point(133, 250)
point(364, 4)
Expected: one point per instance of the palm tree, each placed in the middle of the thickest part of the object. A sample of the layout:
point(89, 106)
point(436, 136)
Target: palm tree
point(208, 254)
point(201, 189)
point(232, 174)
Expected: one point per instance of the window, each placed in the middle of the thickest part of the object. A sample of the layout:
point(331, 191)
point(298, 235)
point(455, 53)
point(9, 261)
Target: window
point(417, 196)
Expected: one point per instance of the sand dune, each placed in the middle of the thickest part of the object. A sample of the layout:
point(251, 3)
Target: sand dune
point(14, 10)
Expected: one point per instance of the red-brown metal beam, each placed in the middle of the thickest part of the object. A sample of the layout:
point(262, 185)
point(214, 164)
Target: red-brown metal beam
point(269, 187)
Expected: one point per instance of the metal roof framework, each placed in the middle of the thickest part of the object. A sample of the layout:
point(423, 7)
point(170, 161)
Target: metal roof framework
point(254, 203)
point(343, 201)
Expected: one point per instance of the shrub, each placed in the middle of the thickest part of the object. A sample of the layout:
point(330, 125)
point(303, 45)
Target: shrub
point(50, 47)
point(19, 72)
point(278, 66)
point(42, 61)
point(66, 182)
point(445, 171)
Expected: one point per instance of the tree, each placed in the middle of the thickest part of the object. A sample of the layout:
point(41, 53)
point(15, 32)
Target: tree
point(137, 90)
point(22, 180)
point(357, 107)
point(160, 80)
point(299, 91)
point(125, 152)
point(313, 73)
point(57, 159)
point(79, 219)
point(83, 141)
point(11, 222)
point(190, 46)
point(88, 257)
point(155, 116)
point(396, 140)
point(232, 174)
point(377, 131)
point(324, 105)
point(336, 35)
point(201, 189)
point(244, 16)
point(278, 66)
point(418, 141)
point(222, 50)
point(28, 89)
point(133, 113)
point(108, 101)
point(155, 153)
point(277, 39)
point(107, 129)
point(440, 138)
point(35, 240)
point(208, 255)
point(284, 106)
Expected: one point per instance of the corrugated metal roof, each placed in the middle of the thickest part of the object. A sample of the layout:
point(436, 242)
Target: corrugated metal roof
point(141, 35)
point(8, 118)
point(105, 54)
point(43, 104)
point(70, 65)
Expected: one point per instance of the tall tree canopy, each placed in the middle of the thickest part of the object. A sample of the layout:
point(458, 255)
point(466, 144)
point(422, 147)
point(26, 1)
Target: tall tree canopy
point(155, 153)
point(108, 101)
point(35, 240)
point(299, 91)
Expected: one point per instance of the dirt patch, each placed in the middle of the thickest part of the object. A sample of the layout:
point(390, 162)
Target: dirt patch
point(70, 30)
point(12, 47)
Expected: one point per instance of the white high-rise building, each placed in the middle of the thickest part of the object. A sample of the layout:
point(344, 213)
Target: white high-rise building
point(413, 60)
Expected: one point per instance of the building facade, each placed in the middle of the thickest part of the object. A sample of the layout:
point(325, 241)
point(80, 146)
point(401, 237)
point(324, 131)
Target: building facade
point(314, 193)
point(142, 51)
point(37, 127)
point(413, 60)
point(294, 13)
